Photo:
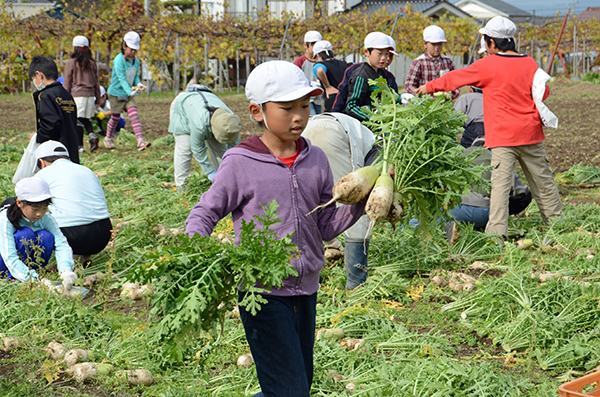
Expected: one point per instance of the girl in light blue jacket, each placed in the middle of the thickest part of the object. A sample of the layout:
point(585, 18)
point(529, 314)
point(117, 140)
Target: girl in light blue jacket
point(29, 235)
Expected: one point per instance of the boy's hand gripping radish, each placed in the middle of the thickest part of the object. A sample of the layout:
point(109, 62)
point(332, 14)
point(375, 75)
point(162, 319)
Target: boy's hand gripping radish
point(352, 188)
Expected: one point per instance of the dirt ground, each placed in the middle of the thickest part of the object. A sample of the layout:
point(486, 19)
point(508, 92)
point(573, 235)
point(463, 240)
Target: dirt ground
point(576, 104)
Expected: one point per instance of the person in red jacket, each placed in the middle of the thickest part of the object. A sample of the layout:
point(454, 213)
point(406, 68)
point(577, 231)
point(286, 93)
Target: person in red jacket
point(513, 127)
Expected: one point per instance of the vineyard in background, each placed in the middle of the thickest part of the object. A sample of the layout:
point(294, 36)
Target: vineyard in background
point(179, 46)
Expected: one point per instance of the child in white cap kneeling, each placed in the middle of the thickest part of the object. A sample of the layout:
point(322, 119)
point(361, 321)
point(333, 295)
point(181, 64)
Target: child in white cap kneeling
point(30, 235)
point(280, 165)
point(513, 126)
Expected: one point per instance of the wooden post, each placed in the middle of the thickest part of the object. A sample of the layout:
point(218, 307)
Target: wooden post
point(176, 74)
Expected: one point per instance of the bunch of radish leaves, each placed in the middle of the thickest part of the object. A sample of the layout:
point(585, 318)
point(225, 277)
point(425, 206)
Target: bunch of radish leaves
point(196, 279)
point(419, 140)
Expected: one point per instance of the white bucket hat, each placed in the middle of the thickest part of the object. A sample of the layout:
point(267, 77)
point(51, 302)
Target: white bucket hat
point(80, 41)
point(33, 189)
point(312, 36)
point(278, 81)
point(434, 34)
point(380, 40)
point(132, 39)
point(499, 28)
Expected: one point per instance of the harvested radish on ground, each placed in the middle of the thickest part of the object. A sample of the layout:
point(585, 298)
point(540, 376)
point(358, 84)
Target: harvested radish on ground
point(137, 377)
point(352, 343)
point(335, 376)
point(439, 281)
point(245, 361)
point(55, 350)
point(128, 286)
point(352, 188)
point(93, 279)
point(330, 333)
point(138, 293)
point(74, 356)
point(10, 344)
point(225, 238)
point(84, 372)
point(524, 244)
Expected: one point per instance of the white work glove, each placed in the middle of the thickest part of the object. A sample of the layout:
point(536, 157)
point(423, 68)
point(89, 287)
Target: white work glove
point(68, 279)
point(135, 92)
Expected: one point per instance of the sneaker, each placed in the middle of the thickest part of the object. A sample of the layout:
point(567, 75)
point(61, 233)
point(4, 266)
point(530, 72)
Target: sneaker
point(142, 145)
point(109, 143)
point(81, 149)
point(94, 140)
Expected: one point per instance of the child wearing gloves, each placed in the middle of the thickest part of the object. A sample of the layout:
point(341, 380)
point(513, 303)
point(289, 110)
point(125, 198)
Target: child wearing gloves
point(29, 235)
point(280, 165)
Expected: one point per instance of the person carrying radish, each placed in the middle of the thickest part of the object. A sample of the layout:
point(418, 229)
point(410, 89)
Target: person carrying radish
point(282, 166)
point(81, 80)
point(512, 120)
point(349, 146)
point(29, 235)
point(124, 86)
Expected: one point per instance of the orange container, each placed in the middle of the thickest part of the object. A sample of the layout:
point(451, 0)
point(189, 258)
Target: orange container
point(585, 386)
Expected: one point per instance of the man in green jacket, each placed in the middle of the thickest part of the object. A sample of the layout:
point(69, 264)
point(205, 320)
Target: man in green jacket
point(202, 125)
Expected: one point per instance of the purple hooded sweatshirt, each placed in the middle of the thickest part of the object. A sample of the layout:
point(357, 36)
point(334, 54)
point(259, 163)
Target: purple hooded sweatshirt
point(250, 176)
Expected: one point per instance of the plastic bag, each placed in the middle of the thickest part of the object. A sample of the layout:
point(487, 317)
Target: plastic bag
point(27, 165)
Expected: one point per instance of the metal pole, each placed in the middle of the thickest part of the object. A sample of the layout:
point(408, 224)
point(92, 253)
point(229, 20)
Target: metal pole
point(147, 7)
point(237, 69)
point(394, 26)
point(574, 48)
point(284, 36)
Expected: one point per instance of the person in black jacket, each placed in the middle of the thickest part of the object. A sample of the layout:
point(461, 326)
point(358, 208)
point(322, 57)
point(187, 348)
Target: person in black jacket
point(329, 71)
point(55, 109)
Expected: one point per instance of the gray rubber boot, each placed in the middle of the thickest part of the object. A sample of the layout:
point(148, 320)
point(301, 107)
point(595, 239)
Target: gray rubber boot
point(355, 263)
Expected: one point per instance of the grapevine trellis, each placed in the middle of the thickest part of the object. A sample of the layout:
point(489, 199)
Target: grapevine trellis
point(243, 41)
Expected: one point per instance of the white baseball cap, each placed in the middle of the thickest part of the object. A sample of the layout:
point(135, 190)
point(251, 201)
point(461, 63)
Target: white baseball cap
point(434, 34)
point(80, 41)
point(51, 148)
point(482, 49)
point(132, 39)
point(102, 91)
point(380, 40)
point(312, 36)
point(499, 28)
point(33, 189)
point(278, 81)
point(321, 46)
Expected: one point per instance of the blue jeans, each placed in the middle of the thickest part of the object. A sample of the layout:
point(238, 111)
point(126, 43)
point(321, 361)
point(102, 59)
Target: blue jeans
point(281, 338)
point(315, 109)
point(478, 216)
point(25, 241)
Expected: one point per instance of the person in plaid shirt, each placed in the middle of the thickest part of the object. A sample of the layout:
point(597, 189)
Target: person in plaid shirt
point(432, 64)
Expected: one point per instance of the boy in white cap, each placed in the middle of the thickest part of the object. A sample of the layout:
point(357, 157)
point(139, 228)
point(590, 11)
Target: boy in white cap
point(431, 64)
point(202, 124)
point(29, 235)
point(306, 62)
point(280, 165)
point(329, 71)
point(378, 50)
point(124, 86)
point(78, 202)
point(513, 126)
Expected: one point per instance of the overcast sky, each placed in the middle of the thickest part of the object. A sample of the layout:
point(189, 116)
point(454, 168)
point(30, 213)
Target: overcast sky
point(549, 7)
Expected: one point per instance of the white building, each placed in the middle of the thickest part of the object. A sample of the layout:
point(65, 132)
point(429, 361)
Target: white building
point(26, 8)
point(250, 8)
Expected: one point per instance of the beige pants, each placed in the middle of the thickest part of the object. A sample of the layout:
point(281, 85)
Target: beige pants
point(534, 162)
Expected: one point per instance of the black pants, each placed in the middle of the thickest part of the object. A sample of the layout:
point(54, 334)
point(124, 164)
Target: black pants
point(87, 124)
point(471, 133)
point(88, 239)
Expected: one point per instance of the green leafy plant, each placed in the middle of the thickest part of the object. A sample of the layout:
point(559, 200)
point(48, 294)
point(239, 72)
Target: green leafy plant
point(195, 279)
